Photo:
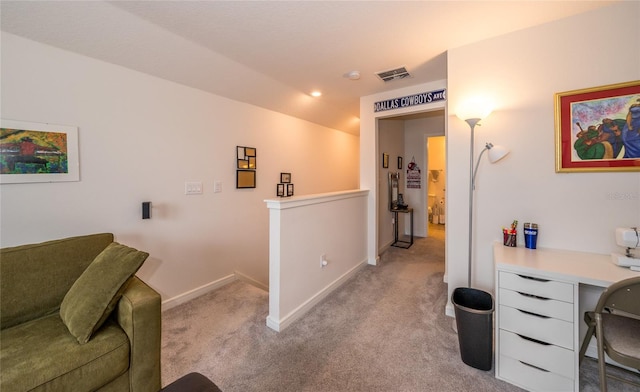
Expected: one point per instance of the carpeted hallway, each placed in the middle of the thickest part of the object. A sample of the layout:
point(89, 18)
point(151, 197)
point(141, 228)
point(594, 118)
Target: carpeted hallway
point(384, 330)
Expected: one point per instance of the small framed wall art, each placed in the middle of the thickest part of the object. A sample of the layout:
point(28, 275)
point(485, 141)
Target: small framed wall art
point(246, 167)
point(245, 179)
point(598, 129)
point(280, 190)
point(36, 152)
point(285, 178)
point(246, 157)
point(385, 160)
point(289, 189)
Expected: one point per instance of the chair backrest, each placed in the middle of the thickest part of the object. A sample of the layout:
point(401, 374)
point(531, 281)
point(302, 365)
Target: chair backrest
point(622, 297)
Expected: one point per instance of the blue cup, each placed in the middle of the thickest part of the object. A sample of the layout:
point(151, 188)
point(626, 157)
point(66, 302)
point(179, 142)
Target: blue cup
point(530, 235)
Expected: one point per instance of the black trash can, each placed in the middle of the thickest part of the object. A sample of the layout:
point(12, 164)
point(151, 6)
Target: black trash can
point(474, 319)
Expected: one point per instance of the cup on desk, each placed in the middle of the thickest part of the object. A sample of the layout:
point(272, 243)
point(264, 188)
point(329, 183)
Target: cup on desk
point(530, 235)
point(509, 237)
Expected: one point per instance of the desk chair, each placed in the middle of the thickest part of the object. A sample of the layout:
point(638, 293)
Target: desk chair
point(616, 324)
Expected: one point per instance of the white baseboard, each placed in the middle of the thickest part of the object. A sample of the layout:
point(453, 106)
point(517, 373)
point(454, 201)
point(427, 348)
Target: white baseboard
point(251, 281)
point(279, 325)
point(449, 310)
point(198, 291)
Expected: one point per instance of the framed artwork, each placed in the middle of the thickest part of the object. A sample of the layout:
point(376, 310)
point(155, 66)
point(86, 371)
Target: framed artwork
point(385, 160)
point(280, 190)
point(598, 129)
point(289, 189)
point(246, 157)
point(245, 179)
point(36, 152)
point(400, 163)
point(285, 178)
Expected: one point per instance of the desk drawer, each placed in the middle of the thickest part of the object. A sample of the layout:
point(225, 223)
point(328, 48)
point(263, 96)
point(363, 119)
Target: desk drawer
point(546, 329)
point(545, 356)
point(536, 286)
point(536, 304)
point(532, 378)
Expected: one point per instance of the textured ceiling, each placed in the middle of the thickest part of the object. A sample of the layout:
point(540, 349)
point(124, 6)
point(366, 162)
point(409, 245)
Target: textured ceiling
point(273, 53)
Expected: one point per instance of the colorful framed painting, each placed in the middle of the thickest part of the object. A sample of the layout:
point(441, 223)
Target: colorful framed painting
point(598, 129)
point(36, 152)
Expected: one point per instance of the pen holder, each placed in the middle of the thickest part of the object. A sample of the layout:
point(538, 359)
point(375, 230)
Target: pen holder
point(509, 238)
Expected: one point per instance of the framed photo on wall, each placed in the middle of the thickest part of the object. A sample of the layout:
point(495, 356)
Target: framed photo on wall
point(598, 129)
point(36, 152)
point(285, 178)
point(289, 189)
point(245, 179)
point(385, 160)
point(246, 157)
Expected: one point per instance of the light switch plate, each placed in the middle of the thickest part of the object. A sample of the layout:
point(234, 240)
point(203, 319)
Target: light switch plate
point(217, 186)
point(193, 188)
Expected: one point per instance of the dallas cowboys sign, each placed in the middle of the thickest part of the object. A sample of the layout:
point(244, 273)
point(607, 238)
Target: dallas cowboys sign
point(410, 100)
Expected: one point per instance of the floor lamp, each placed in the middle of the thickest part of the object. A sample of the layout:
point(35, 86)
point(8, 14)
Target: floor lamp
point(495, 154)
point(474, 308)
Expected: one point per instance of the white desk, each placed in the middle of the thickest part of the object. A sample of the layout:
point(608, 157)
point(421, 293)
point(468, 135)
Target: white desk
point(544, 334)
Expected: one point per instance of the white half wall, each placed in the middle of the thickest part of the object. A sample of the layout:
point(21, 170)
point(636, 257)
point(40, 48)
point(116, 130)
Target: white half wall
point(140, 139)
point(522, 71)
point(334, 230)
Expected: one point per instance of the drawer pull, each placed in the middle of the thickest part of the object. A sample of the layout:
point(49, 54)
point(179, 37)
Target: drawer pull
point(532, 278)
point(533, 314)
point(533, 296)
point(534, 340)
point(535, 367)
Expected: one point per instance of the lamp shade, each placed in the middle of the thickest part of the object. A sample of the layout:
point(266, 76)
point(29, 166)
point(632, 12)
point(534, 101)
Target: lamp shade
point(474, 108)
point(496, 153)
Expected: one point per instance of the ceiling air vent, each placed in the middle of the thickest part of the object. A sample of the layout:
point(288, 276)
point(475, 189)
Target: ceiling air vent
point(394, 74)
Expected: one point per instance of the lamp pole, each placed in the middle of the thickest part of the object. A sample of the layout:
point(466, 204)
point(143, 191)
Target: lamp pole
point(472, 123)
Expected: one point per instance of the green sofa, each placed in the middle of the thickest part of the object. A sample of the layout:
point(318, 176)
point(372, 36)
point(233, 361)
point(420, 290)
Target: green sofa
point(41, 345)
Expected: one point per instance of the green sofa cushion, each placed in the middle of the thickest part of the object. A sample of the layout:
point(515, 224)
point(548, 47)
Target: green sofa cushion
point(94, 295)
point(35, 278)
point(42, 355)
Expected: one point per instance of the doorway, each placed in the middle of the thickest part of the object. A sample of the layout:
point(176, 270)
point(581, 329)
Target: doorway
point(436, 186)
point(406, 138)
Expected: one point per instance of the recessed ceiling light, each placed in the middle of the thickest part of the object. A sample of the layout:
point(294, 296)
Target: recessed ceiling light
point(316, 93)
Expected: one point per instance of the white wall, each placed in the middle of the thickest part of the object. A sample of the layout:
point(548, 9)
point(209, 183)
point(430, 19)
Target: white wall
point(522, 71)
point(369, 149)
point(141, 138)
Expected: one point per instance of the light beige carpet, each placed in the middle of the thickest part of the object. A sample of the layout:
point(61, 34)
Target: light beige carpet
point(384, 330)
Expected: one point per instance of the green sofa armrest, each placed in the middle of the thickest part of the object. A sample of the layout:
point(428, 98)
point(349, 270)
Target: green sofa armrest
point(139, 315)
